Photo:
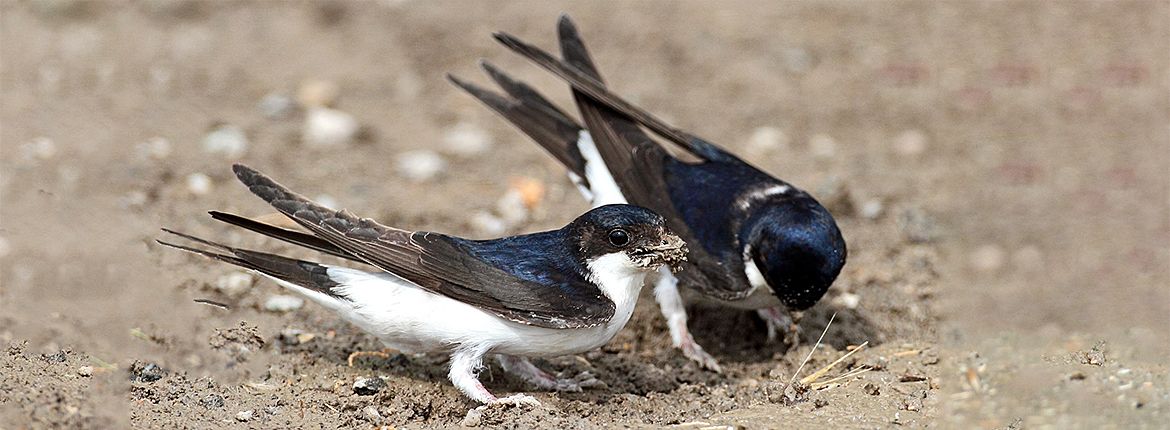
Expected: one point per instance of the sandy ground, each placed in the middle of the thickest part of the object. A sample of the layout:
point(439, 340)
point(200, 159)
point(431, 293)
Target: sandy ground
point(999, 171)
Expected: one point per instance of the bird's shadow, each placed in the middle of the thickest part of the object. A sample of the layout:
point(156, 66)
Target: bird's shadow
point(735, 338)
point(741, 336)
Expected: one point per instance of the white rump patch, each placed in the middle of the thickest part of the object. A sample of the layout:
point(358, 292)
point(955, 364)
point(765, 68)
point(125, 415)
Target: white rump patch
point(603, 190)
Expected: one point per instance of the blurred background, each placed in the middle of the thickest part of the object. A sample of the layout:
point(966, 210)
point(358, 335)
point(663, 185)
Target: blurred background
point(1028, 141)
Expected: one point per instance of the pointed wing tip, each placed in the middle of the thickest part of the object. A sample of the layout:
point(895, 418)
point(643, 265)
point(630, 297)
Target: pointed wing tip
point(565, 24)
point(455, 80)
point(488, 67)
point(508, 40)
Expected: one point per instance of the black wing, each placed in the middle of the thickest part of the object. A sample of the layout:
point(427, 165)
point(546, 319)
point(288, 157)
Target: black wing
point(642, 168)
point(438, 263)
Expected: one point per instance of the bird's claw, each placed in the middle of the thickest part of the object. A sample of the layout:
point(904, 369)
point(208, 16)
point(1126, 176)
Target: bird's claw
point(695, 352)
point(778, 320)
point(577, 383)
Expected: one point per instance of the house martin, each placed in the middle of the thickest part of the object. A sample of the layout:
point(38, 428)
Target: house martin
point(544, 294)
point(756, 242)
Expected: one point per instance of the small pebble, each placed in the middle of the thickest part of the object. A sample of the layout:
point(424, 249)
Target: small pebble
point(511, 207)
point(420, 165)
point(155, 148)
point(39, 149)
point(325, 127)
point(871, 389)
point(245, 415)
point(765, 141)
point(283, 303)
point(277, 106)
point(532, 191)
point(145, 372)
point(5, 247)
point(292, 336)
point(133, 200)
point(822, 146)
point(368, 386)
point(226, 140)
point(372, 415)
point(234, 284)
point(318, 93)
point(86, 371)
point(212, 401)
point(847, 300)
point(987, 258)
point(487, 225)
point(910, 143)
point(917, 226)
point(199, 184)
point(466, 140)
point(797, 60)
point(871, 209)
point(473, 418)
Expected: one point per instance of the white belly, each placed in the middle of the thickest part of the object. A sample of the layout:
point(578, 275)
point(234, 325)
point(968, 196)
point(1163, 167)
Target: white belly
point(407, 318)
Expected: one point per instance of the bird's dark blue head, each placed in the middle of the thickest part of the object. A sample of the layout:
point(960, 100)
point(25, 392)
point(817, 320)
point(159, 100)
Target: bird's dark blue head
point(798, 249)
point(639, 233)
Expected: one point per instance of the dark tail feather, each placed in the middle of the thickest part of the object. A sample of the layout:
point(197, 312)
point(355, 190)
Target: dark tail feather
point(573, 49)
point(533, 114)
point(303, 273)
point(291, 236)
point(578, 70)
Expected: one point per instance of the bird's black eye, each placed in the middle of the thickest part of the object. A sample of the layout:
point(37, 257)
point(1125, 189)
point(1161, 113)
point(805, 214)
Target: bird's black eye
point(619, 237)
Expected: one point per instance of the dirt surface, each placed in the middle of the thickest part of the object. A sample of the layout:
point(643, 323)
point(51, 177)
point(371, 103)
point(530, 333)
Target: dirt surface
point(998, 169)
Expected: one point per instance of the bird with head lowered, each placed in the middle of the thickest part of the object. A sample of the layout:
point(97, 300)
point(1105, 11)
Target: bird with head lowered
point(756, 242)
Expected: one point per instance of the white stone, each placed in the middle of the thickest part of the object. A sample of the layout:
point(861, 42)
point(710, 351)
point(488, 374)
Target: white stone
point(5, 247)
point(226, 140)
point(987, 258)
point(765, 141)
point(372, 414)
point(822, 146)
point(277, 106)
point(466, 140)
point(199, 184)
point(847, 300)
point(487, 225)
point(155, 148)
point(872, 209)
point(39, 149)
point(511, 207)
point(329, 127)
point(234, 284)
point(283, 303)
point(245, 415)
point(910, 143)
point(133, 200)
point(420, 165)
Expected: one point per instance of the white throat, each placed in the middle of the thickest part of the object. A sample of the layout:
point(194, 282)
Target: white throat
point(619, 279)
